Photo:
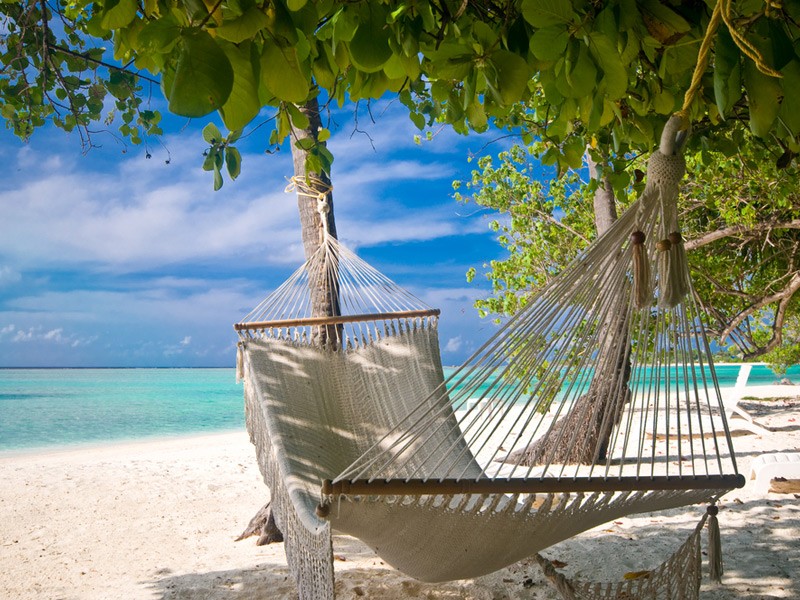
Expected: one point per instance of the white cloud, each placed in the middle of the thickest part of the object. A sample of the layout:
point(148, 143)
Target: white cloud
point(40, 334)
point(23, 336)
point(54, 335)
point(186, 341)
point(454, 344)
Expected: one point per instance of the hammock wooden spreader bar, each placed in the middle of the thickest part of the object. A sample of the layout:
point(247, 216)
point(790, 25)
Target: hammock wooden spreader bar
point(311, 321)
point(420, 487)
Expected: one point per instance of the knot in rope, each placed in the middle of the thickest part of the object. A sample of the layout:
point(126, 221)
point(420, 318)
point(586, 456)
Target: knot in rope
point(314, 187)
point(310, 186)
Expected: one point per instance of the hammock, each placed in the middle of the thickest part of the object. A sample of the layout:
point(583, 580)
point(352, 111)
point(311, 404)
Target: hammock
point(596, 401)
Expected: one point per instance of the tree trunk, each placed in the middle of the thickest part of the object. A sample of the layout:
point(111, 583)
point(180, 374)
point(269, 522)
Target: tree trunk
point(605, 207)
point(262, 525)
point(583, 435)
point(325, 291)
point(309, 184)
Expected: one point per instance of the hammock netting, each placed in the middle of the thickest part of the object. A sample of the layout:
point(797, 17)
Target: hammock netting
point(597, 400)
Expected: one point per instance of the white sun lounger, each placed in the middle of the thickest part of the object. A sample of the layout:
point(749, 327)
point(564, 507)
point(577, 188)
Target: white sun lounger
point(731, 403)
point(766, 467)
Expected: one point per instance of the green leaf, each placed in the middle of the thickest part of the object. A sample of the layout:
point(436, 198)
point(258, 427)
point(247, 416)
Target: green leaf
point(606, 56)
point(243, 103)
point(195, 9)
point(369, 85)
point(664, 103)
point(282, 29)
point(212, 134)
point(217, 179)
point(299, 119)
point(485, 35)
point(282, 74)
point(662, 22)
point(512, 75)
point(323, 135)
point(544, 13)
point(296, 5)
point(324, 67)
point(159, 36)
point(313, 164)
point(476, 116)
point(369, 48)
point(305, 143)
point(418, 119)
point(573, 153)
point(582, 78)
point(233, 160)
point(210, 160)
point(118, 13)
point(789, 114)
point(325, 158)
point(782, 48)
point(764, 94)
point(727, 72)
point(244, 27)
point(549, 43)
point(202, 79)
point(345, 23)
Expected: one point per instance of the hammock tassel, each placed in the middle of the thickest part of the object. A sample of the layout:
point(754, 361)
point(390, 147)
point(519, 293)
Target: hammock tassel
point(642, 283)
point(239, 362)
point(672, 270)
point(680, 264)
point(715, 569)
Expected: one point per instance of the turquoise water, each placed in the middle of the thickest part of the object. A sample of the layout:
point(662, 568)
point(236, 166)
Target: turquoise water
point(63, 407)
point(42, 408)
point(726, 376)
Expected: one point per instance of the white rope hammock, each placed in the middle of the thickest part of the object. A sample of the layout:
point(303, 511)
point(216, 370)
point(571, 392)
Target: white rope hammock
point(598, 400)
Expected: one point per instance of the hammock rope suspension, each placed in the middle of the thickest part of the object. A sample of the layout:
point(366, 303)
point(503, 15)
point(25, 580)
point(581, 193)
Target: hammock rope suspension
point(597, 400)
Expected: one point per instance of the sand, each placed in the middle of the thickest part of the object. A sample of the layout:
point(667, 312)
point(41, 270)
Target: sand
point(158, 519)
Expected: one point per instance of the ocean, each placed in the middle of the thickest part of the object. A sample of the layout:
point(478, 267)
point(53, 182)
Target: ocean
point(49, 408)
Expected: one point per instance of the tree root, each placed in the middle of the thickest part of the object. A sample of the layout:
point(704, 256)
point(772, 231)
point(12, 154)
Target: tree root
point(263, 525)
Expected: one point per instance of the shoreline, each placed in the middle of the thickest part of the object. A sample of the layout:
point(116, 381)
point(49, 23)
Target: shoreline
point(122, 444)
point(754, 391)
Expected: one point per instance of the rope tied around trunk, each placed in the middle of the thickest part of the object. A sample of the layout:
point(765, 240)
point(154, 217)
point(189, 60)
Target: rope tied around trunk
point(315, 188)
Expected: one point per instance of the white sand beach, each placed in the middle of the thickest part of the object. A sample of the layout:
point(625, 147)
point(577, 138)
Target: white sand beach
point(158, 519)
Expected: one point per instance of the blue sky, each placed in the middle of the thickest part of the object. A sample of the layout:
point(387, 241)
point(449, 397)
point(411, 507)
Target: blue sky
point(111, 259)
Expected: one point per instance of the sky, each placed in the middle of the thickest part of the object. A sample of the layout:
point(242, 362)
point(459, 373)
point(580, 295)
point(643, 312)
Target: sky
point(111, 259)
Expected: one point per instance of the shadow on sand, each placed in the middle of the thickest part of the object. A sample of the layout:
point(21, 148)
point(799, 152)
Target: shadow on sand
point(762, 560)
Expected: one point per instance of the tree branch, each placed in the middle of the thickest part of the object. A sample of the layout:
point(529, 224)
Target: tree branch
point(735, 230)
point(777, 332)
point(785, 294)
point(102, 63)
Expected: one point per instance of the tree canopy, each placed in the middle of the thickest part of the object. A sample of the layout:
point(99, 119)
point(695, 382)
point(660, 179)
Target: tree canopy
point(739, 213)
point(603, 72)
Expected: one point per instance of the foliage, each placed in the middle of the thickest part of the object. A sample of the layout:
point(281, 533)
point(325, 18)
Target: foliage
point(611, 69)
point(543, 223)
point(741, 212)
point(54, 71)
point(740, 215)
point(782, 358)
